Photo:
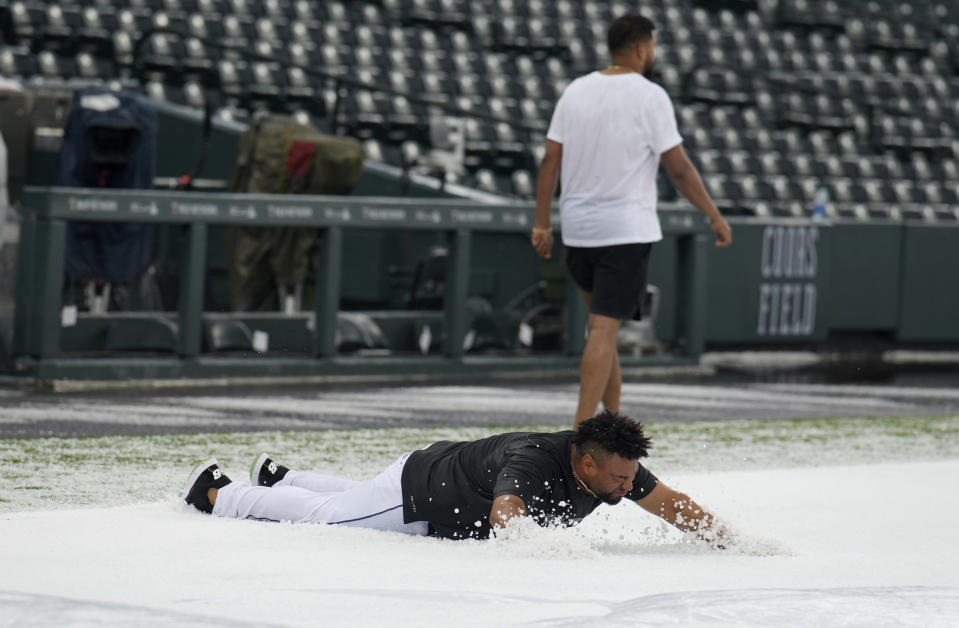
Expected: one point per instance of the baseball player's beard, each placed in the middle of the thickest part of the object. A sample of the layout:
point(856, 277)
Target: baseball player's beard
point(607, 498)
point(650, 69)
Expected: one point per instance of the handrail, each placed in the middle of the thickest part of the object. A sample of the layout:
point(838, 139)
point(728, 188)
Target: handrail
point(49, 210)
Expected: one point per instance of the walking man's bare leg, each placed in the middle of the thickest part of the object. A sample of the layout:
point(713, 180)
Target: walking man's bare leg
point(599, 374)
point(614, 383)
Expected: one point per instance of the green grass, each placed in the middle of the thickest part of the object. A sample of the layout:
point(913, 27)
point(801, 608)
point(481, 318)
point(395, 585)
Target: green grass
point(46, 473)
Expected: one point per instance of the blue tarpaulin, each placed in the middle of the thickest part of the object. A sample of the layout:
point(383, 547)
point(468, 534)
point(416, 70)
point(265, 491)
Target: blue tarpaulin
point(109, 141)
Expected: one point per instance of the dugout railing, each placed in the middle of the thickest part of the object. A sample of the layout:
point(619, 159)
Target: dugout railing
point(38, 319)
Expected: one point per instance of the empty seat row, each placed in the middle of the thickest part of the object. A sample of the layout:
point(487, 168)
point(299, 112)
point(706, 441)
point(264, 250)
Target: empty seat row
point(855, 211)
point(29, 21)
point(841, 189)
point(20, 63)
point(788, 141)
point(300, 10)
point(866, 102)
point(766, 164)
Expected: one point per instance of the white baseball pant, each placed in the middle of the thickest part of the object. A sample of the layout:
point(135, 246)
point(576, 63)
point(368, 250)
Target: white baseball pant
point(303, 496)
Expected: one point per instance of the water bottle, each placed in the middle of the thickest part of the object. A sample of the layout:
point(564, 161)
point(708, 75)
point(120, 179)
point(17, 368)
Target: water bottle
point(819, 203)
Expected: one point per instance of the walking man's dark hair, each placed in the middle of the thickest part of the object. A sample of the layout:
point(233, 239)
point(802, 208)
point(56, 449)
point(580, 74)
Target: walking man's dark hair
point(629, 30)
point(610, 433)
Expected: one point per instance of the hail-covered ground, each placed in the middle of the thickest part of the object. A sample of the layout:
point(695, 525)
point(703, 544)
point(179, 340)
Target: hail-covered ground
point(843, 503)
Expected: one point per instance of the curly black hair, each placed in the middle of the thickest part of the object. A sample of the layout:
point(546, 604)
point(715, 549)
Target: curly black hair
point(611, 433)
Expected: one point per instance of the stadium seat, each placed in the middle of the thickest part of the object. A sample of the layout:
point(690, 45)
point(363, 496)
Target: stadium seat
point(194, 95)
point(240, 7)
point(198, 60)
point(89, 67)
point(769, 95)
point(510, 152)
point(238, 31)
point(373, 150)
point(411, 153)
point(300, 92)
point(26, 21)
point(59, 28)
point(233, 78)
point(486, 181)
point(875, 191)
point(523, 185)
point(52, 66)
point(713, 162)
point(268, 88)
point(163, 55)
point(368, 116)
point(18, 63)
point(771, 163)
point(134, 22)
point(403, 121)
point(211, 7)
point(95, 29)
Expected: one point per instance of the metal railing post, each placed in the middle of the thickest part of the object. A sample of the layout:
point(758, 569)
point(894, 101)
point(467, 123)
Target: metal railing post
point(50, 241)
point(576, 316)
point(329, 266)
point(457, 290)
point(192, 275)
point(692, 277)
point(26, 280)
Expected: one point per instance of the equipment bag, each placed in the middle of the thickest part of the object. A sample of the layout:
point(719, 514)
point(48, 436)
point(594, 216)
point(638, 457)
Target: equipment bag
point(109, 142)
point(278, 155)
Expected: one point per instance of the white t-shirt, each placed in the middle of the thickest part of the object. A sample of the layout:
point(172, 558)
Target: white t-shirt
point(613, 129)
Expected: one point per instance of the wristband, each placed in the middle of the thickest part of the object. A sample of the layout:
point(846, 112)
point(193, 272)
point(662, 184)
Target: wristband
point(538, 230)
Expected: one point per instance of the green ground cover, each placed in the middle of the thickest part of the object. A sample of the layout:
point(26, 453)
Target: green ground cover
point(48, 473)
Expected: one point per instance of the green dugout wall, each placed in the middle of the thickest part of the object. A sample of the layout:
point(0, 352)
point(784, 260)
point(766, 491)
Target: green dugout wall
point(488, 254)
point(782, 283)
point(929, 280)
point(788, 282)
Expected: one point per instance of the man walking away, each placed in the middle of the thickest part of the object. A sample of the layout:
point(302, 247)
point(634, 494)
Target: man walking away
point(609, 131)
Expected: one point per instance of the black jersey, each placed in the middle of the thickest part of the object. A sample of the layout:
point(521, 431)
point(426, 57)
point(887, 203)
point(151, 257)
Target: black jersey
point(452, 485)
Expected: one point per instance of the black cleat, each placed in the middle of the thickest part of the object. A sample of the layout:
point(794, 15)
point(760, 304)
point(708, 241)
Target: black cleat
point(266, 471)
point(204, 476)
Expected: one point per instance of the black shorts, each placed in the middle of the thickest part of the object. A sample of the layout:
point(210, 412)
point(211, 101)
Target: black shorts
point(614, 275)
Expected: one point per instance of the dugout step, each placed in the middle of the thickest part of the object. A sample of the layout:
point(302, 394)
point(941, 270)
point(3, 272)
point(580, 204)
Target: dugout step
point(142, 333)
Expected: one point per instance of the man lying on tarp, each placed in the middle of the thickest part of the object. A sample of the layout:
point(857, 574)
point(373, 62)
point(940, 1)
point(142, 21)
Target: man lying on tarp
point(462, 490)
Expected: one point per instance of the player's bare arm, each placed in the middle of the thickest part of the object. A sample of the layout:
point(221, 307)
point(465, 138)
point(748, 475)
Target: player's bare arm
point(505, 507)
point(542, 236)
point(681, 511)
point(685, 177)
